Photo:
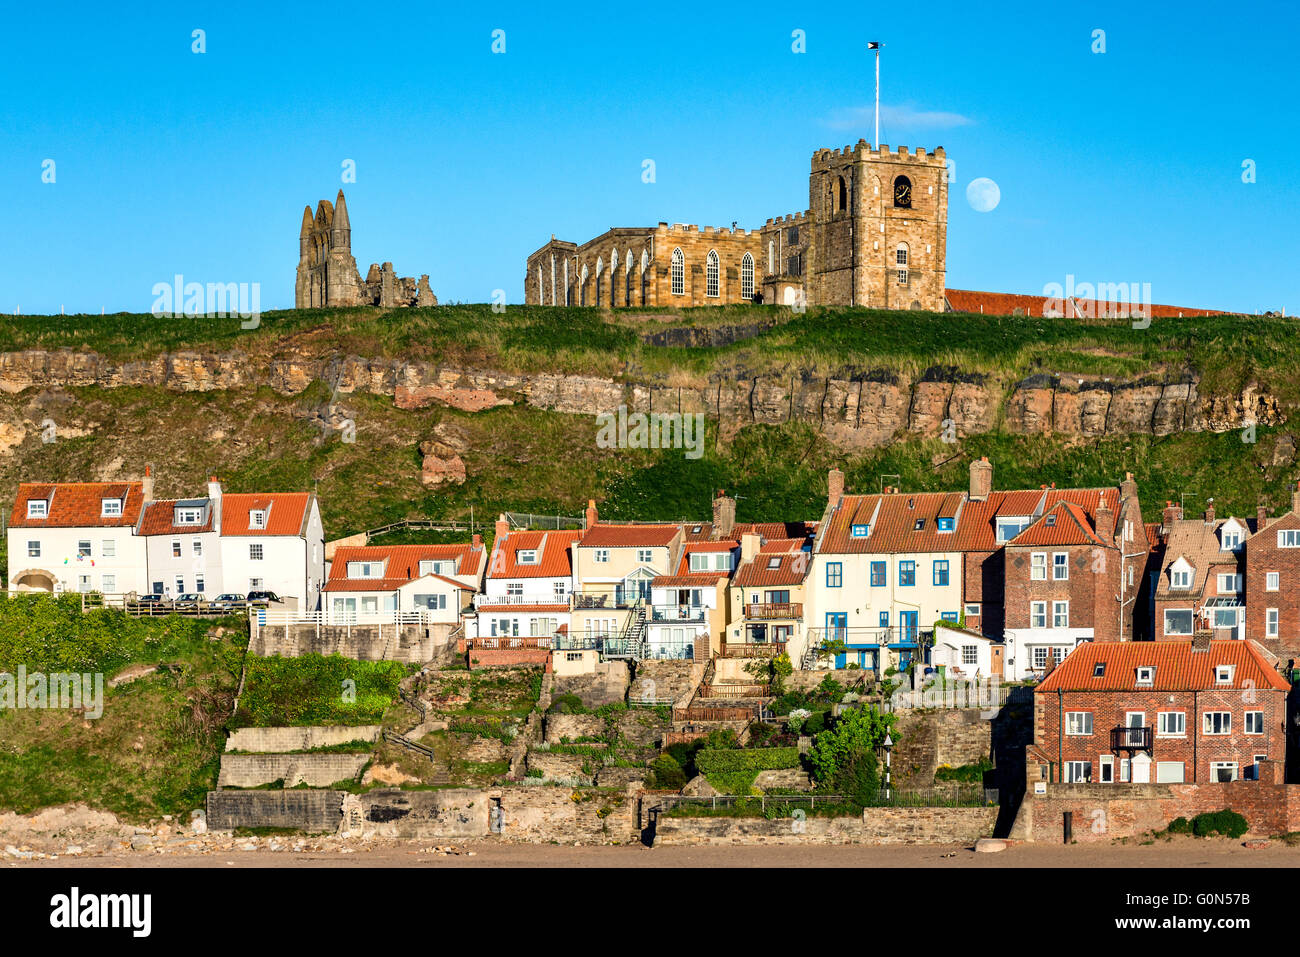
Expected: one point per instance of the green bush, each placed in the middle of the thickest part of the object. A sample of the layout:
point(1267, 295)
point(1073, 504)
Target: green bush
point(816, 723)
point(666, 773)
point(712, 762)
point(1180, 825)
point(1228, 823)
point(859, 779)
point(966, 773)
point(567, 704)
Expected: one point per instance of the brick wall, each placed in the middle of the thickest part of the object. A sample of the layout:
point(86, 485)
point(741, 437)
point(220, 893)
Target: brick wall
point(1094, 576)
point(413, 644)
point(1107, 812)
point(509, 658)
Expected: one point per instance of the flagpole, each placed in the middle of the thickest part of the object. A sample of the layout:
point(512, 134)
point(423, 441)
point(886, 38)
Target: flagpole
point(876, 45)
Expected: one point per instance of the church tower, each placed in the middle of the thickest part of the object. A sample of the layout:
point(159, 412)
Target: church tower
point(880, 228)
point(327, 272)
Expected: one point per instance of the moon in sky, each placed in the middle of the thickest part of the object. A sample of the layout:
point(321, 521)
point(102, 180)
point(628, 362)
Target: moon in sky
point(983, 195)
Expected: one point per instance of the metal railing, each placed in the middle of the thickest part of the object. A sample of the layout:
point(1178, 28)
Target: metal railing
point(558, 603)
point(131, 604)
point(601, 600)
point(1130, 739)
point(855, 635)
point(342, 618)
point(678, 613)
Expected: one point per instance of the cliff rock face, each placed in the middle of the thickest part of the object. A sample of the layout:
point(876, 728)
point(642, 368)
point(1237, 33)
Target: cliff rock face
point(856, 413)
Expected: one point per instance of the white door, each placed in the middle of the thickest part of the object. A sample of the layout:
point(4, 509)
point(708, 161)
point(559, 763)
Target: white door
point(1141, 769)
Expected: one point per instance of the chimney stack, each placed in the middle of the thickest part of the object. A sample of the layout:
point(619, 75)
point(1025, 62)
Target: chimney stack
point(981, 479)
point(1128, 488)
point(724, 515)
point(501, 528)
point(1172, 513)
point(1105, 522)
point(834, 487)
point(592, 515)
point(147, 483)
point(477, 540)
point(1209, 512)
point(214, 487)
point(1295, 499)
point(749, 545)
point(1261, 518)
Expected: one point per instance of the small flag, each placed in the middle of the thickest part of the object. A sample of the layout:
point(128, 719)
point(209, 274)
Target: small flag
point(873, 45)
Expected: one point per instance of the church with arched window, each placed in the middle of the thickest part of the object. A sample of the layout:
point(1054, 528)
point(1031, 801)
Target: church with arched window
point(873, 235)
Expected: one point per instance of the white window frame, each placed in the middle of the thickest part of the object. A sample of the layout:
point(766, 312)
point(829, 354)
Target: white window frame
point(38, 508)
point(1271, 622)
point(601, 556)
point(1229, 584)
point(712, 275)
point(1254, 722)
point(1146, 675)
point(1171, 724)
point(110, 508)
point(526, 556)
point(1078, 723)
point(33, 548)
point(1060, 614)
point(1220, 719)
point(1288, 538)
point(1060, 566)
point(1223, 675)
point(1216, 765)
point(1191, 618)
point(1038, 566)
point(747, 277)
point(1038, 614)
point(257, 518)
point(678, 272)
point(1106, 767)
point(1272, 581)
point(1078, 772)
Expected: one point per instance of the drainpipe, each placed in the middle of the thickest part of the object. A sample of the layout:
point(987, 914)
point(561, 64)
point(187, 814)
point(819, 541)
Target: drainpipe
point(1060, 734)
point(1196, 716)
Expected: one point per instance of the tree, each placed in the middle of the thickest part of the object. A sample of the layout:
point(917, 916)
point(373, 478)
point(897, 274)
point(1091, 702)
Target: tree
point(855, 732)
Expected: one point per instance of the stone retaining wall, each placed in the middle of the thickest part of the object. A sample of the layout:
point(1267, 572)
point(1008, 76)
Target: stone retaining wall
point(314, 770)
point(411, 644)
point(312, 812)
point(878, 825)
point(282, 740)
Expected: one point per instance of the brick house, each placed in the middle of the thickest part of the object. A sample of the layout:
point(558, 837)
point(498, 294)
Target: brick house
point(1200, 583)
point(1067, 575)
point(1197, 711)
point(1272, 570)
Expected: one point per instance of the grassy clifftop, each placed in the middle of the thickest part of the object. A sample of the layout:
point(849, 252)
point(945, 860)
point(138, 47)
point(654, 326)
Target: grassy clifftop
point(1225, 351)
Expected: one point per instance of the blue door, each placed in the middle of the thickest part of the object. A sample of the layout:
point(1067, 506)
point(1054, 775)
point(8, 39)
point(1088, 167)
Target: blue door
point(908, 620)
point(837, 627)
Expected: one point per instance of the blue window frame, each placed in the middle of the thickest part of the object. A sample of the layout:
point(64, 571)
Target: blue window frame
point(945, 524)
point(884, 619)
point(949, 616)
point(834, 574)
point(878, 574)
point(860, 531)
point(906, 573)
point(941, 571)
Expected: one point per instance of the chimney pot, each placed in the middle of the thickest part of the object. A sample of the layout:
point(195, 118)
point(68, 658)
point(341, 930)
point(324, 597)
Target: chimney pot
point(981, 479)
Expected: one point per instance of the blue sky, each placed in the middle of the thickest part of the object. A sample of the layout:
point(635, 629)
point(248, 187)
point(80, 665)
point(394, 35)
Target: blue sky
point(1123, 166)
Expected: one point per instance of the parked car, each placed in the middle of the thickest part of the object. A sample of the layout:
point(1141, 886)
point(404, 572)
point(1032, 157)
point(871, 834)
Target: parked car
point(230, 601)
point(151, 603)
point(191, 599)
point(262, 599)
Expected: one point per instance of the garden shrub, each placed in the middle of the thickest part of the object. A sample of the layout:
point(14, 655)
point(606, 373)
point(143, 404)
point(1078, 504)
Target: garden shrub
point(1225, 822)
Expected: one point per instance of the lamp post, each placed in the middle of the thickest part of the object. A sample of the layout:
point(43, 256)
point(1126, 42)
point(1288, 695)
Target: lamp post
point(889, 754)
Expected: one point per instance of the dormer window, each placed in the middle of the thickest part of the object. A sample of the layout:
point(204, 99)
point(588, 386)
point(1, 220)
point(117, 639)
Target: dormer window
point(860, 531)
point(189, 516)
point(1180, 575)
point(1223, 674)
point(38, 508)
point(1229, 538)
point(365, 569)
point(110, 507)
point(527, 556)
point(1009, 528)
point(945, 524)
point(429, 566)
point(1050, 521)
point(257, 518)
point(1146, 676)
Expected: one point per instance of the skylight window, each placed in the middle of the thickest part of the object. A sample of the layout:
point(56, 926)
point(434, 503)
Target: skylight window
point(1099, 669)
point(774, 563)
point(920, 524)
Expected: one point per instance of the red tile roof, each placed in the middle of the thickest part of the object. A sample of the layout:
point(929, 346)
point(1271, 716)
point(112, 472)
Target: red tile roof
point(1063, 524)
point(1178, 667)
point(160, 518)
point(554, 558)
point(1198, 541)
point(608, 535)
point(402, 565)
point(286, 512)
point(791, 569)
point(893, 519)
point(78, 504)
point(1011, 304)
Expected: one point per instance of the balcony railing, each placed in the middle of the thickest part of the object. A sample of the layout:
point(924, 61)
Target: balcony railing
point(604, 599)
point(678, 613)
point(774, 609)
point(1130, 739)
point(894, 635)
point(751, 649)
point(480, 600)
